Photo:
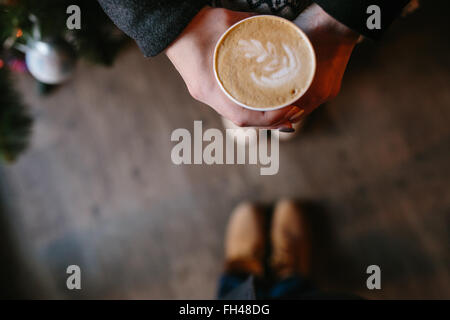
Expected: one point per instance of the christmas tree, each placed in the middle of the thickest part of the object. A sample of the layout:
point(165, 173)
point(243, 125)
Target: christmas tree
point(15, 123)
point(22, 24)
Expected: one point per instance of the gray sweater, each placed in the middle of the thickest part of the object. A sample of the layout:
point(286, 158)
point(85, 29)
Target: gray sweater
point(154, 24)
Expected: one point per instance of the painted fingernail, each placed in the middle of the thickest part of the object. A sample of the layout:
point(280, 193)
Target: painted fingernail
point(297, 116)
point(287, 130)
point(286, 127)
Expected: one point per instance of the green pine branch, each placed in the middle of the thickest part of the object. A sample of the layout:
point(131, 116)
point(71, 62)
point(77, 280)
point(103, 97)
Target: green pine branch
point(15, 123)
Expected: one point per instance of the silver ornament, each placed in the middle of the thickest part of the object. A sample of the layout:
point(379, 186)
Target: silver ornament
point(50, 61)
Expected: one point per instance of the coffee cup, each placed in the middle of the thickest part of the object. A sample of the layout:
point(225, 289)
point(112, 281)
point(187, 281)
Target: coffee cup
point(264, 63)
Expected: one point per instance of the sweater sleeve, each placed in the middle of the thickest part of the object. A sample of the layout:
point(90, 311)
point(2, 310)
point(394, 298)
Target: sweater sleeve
point(353, 13)
point(153, 24)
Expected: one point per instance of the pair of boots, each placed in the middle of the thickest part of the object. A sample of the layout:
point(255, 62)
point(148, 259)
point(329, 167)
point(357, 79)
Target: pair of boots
point(246, 241)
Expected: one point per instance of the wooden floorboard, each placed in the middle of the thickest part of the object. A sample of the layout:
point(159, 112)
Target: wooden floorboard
point(98, 189)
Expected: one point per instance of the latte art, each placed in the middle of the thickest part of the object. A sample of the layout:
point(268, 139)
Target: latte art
point(264, 62)
point(277, 69)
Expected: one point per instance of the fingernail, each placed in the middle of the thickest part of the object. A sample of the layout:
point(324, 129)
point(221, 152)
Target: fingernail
point(297, 116)
point(286, 127)
point(287, 130)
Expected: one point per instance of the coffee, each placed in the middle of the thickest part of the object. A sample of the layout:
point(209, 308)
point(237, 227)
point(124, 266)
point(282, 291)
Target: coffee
point(264, 62)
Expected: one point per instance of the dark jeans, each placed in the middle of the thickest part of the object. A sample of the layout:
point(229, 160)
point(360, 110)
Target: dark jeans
point(247, 287)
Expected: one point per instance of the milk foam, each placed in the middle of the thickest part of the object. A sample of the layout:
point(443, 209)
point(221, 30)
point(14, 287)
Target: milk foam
point(278, 69)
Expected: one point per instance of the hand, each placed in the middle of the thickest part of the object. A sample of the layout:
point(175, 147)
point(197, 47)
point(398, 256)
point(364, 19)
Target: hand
point(333, 43)
point(192, 54)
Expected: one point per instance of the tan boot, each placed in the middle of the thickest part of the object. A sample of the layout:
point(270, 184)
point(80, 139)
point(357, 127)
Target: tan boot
point(290, 243)
point(244, 241)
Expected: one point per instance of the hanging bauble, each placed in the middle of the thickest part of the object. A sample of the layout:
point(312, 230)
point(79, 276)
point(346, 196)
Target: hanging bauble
point(50, 61)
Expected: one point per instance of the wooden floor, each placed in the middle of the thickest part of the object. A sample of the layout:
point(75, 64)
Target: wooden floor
point(98, 188)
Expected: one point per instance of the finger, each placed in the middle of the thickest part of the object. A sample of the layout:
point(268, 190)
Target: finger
point(249, 118)
point(274, 118)
point(286, 127)
point(296, 116)
point(264, 119)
